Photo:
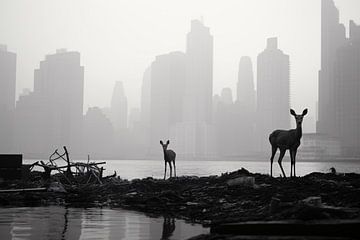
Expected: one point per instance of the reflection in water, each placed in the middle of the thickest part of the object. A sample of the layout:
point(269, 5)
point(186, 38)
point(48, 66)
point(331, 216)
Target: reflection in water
point(168, 228)
point(94, 223)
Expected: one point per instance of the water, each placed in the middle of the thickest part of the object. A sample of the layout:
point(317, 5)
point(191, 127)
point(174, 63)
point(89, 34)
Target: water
point(130, 169)
point(95, 223)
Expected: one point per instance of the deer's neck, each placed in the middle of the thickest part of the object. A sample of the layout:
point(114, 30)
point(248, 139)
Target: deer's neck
point(298, 131)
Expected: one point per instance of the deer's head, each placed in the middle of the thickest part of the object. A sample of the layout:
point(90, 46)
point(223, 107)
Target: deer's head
point(164, 146)
point(298, 118)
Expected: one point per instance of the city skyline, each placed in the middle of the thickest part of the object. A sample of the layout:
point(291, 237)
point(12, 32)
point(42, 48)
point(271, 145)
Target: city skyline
point(178, 101)
point(101, 75)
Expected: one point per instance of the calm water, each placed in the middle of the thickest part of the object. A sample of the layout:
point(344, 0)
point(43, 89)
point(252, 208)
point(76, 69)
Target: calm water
point(94, 223)
point(130, 169)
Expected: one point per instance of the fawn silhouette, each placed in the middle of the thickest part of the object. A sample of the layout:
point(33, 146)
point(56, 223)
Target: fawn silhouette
point(287, 139)
point(169, 157)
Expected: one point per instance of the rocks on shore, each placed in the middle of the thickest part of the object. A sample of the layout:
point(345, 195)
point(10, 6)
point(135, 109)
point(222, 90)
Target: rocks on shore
point(232, 197)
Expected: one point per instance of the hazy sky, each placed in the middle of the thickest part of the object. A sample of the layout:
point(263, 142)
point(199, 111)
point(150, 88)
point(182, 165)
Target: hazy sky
point(119, 39)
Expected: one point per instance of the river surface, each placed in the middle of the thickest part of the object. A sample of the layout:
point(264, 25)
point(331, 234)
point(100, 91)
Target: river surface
point(130, 169)
point(52, 223)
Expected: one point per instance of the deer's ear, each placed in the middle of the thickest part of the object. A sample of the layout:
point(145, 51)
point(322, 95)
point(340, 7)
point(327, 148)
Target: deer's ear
point(161, 142)
point(305, 112)
point(167, 142)
point(292, 112)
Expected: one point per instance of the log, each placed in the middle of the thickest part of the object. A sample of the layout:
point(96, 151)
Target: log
point(328, 228)
point(23, 190)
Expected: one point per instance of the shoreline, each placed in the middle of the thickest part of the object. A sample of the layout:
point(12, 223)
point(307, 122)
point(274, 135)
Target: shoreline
point(238, 196)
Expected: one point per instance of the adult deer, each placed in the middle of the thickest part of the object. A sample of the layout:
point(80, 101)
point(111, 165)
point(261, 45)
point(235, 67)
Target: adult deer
point(287, 139)
point(169, 157)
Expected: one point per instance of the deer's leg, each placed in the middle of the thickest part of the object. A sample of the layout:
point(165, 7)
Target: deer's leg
point(282, 153)
point(273, 152)
point(294, 161)
point(165, 171)
point(170, 169)
point(174, 168)
point(291, 161)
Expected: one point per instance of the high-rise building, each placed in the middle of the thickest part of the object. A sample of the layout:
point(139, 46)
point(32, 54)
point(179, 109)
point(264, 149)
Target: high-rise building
point(145, 97)
point(226, 96)
point(119, 107)
point(245, 107)
point(167, 95)
point(339, 86)
point(7, 98)
point(332, 37)
point(199, 74)
point(347, 93)
point(52, 115)
point(273, 92)
point(195, 135)
point(98, 133)
point(246, 95)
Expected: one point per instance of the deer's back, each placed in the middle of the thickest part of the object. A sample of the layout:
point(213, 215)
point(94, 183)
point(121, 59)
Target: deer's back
point(284, 139)
point(170, 155)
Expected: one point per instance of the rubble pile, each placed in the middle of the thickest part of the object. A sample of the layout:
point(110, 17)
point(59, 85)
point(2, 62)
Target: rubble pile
point(232, 197)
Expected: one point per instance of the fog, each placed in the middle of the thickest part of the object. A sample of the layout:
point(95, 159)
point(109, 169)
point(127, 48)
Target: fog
point(118, 40)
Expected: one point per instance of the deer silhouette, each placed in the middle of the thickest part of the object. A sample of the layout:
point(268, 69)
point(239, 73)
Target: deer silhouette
point(169, 157)
point(287, 139)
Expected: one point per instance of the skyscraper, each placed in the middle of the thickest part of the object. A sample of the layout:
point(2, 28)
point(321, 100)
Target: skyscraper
point(195, 135)
point(54, 110)
point(332, 37)
point(245, 107)
point(273, 92)
point(119, 107)
point(145, 97)
point(226, 96)
point(347, 93)
point(7, 97)
point(167, 95)
point(339, 85)
point(199, 74)
point(246, 94)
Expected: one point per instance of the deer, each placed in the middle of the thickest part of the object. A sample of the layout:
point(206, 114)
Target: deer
point(287, 140)
point(169, 157)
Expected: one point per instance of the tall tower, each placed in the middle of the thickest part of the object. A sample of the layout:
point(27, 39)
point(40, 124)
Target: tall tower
point(347, 91)
point(52, 115)
point(145, 98)
point(273, 92)
point(332, 37)
point(195, 135)
point(245, 85)
point(167, 95)
point(199, 74)
point(245, 107)
point(119, 107)
point(7, 97)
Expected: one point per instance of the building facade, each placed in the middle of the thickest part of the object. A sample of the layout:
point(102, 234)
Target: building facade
point(273, 93)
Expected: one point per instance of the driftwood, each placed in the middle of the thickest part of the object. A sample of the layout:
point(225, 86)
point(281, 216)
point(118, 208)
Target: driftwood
point(23, 190)
point(84, 172)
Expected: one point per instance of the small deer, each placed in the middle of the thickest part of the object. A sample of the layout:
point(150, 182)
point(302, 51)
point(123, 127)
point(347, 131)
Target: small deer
point(169, 157)
point(287, 139)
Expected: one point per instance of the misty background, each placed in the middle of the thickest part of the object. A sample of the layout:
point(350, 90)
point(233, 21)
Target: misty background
point(119, 40)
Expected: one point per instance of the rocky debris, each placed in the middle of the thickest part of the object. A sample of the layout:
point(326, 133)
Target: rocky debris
point(56, 187)
point(208, 200)
point(242, 181)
